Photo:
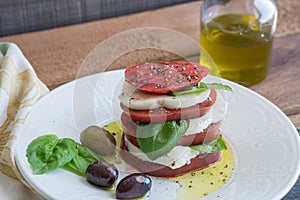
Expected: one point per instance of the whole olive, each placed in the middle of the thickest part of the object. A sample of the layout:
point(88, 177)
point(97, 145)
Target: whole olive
point(133, 186)
point(98, 140)
point(102, 174)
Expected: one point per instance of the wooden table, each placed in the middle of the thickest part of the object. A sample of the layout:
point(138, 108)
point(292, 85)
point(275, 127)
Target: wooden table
point(56, 54)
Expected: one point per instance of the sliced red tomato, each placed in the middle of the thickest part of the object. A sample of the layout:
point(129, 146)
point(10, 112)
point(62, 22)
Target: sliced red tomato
point(160, 115)
point(208, 135)
point(159, 170)
point(165, 77)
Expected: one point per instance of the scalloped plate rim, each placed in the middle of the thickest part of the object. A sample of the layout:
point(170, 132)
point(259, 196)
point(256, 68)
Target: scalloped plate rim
point(19, 157)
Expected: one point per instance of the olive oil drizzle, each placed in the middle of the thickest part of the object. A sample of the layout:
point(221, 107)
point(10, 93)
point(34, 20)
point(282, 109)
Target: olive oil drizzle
point(206, 181)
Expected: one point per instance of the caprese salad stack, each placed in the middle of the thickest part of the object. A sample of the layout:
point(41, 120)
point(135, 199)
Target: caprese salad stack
point(171, 118)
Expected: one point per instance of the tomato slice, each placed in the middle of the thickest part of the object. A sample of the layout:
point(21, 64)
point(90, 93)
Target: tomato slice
point(162, 114)
point(206, 136)
point(158, 170)
point(165, 77)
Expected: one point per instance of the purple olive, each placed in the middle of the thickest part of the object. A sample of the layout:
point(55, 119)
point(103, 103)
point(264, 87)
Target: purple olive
point(133, 186)
point(102, 174)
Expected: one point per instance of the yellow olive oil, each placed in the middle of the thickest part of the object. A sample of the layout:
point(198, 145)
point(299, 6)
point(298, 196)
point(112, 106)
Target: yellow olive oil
point(206, 181)
point(192, 185)
point(115, 128)
point(239, 45)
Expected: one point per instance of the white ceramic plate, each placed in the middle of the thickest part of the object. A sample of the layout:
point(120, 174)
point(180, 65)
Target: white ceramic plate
point(265, 143)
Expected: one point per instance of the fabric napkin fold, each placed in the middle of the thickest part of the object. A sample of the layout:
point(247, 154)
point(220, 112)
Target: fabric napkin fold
point(20, 88)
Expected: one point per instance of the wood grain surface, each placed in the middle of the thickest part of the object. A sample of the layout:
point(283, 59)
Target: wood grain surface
point(57, 54)
point(282, 86)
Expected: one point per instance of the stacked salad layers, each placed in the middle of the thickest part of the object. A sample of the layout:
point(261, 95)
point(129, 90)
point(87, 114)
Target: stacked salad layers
point(171, 118)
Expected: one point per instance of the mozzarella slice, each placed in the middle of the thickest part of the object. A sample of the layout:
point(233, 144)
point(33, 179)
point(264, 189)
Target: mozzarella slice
point(139, 100)
point(219, 109)
point(215, 114)
point(177, 157)
point(198, 125)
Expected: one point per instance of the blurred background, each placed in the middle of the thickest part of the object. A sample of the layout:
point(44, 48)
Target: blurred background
point(21, 16)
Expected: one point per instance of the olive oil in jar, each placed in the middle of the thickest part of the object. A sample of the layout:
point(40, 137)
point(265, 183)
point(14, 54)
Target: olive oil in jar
point(239, 45)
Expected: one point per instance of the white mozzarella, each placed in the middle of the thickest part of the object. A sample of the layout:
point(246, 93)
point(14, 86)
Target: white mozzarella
point(215, 114)
point(219, 109)
point(198, 125)
point(139, 100)
point(177, 157)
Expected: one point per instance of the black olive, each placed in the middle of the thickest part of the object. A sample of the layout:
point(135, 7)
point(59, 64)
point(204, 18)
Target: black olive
point(102, 174)
point(133, 186)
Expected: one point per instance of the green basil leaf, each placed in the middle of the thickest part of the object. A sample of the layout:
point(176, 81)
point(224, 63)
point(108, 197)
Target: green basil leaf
point(202, 87)
point(80, 162)
point(47, 153)
point(39, 151)
point(218, 144)
point(64, 151)
point(191, 90)
point(218, 86)
point(160, 138)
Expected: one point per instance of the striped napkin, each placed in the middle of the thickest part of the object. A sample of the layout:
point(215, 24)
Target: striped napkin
point(20, 88)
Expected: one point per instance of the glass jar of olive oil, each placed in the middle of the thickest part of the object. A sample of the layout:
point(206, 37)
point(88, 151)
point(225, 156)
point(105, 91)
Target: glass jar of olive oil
point(237, 36)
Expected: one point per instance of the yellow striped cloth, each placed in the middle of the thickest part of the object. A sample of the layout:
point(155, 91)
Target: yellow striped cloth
point(20, 88)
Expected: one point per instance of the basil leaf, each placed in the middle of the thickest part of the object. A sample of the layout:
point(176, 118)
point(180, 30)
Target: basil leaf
point(218, 86)
point(191, 90)
point(216, 145)
point(202, 87)
point(63, 152)
point(39, 151)
point(80, 162)
point(47, 153)
point(160, 138)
